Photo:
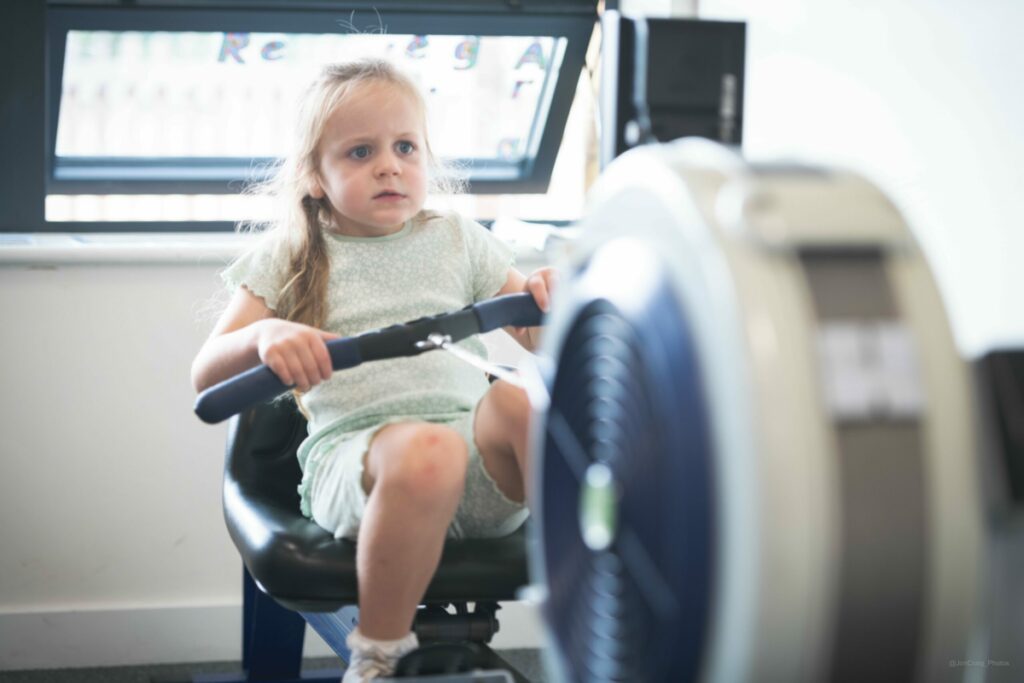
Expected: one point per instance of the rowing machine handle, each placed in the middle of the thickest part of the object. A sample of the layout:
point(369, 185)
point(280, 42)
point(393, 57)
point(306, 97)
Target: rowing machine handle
point(260, 384)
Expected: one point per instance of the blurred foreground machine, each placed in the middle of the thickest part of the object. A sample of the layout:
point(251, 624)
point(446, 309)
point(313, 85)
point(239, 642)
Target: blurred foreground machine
point(757, 450)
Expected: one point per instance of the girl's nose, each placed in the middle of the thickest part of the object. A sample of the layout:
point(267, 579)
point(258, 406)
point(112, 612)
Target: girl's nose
point(387, 164)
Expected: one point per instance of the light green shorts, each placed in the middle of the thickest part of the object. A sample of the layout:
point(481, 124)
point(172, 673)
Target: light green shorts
point(337, 499)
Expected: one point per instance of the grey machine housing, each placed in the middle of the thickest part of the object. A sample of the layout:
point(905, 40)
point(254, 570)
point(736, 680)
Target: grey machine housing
point(847, 505)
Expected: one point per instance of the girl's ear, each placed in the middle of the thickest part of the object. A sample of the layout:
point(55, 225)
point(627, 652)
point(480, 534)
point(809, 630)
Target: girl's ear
point(315, 190)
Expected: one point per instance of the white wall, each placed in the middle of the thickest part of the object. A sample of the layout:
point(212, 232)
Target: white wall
point(110, 488)
point(926, 98)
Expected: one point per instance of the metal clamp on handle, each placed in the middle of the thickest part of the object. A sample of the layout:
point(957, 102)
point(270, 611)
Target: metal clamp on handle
point(260, 384)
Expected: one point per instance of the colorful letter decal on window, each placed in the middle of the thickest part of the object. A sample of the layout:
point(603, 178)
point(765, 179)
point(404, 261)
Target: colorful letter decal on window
point(272, 51)
point(416, 49)
point(533, 55)
point(466, 53)
point(519, 86)
point(232, 47)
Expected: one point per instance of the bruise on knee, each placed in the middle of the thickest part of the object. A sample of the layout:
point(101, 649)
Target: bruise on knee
point(416, 455)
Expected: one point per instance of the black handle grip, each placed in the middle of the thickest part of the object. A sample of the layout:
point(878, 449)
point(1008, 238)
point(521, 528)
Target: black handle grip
point(234, 395)
point(260, 384)
point(518, 310)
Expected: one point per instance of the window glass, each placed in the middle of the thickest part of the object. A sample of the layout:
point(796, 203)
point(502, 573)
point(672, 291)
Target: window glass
point(151, 95)
point(217, 105)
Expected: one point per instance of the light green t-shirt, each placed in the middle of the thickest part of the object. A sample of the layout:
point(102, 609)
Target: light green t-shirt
point(437, 263)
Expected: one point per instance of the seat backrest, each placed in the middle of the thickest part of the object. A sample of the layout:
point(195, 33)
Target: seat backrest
point(260, 453)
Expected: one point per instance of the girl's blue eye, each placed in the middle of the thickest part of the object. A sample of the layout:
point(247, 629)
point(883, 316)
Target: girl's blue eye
point(360, 152)
point(405, 147)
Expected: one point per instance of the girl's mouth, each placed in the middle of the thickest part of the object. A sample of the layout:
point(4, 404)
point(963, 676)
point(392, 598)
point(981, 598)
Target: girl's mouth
point(388, 194)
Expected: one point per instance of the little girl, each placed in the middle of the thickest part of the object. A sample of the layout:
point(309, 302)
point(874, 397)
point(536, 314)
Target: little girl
point(400, 452)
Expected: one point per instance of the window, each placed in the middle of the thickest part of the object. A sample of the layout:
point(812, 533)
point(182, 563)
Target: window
point(161, 105)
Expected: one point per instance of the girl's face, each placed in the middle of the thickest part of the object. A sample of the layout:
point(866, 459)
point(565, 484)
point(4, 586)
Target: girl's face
point(373, 161)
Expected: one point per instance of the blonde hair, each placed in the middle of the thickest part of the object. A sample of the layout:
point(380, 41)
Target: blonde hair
point(298, 230)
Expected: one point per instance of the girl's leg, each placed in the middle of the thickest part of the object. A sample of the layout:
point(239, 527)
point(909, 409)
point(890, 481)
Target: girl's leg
point(501, 430)
point(414, 475)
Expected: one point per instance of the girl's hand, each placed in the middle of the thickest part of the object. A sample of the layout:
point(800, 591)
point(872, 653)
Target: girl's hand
point(541, 283)
point(296, 353)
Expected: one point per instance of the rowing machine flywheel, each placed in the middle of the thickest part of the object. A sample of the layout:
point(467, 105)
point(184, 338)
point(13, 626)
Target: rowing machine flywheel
point(628, 458)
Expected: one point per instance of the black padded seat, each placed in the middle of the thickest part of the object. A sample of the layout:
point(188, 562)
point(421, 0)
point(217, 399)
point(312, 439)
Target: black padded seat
point(304, 567)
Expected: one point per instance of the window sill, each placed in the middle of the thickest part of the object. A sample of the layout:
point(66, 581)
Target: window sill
point(196, 249)
point(530, 242)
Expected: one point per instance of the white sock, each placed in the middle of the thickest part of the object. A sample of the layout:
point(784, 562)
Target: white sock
point(372, 658)
point(396, 648)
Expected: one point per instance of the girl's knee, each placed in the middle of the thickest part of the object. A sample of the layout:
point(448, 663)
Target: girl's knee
point(421, 460)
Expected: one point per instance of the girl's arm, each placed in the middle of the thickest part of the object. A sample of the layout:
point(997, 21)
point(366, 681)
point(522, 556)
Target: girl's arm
point(540, 283)
point(248, 333)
